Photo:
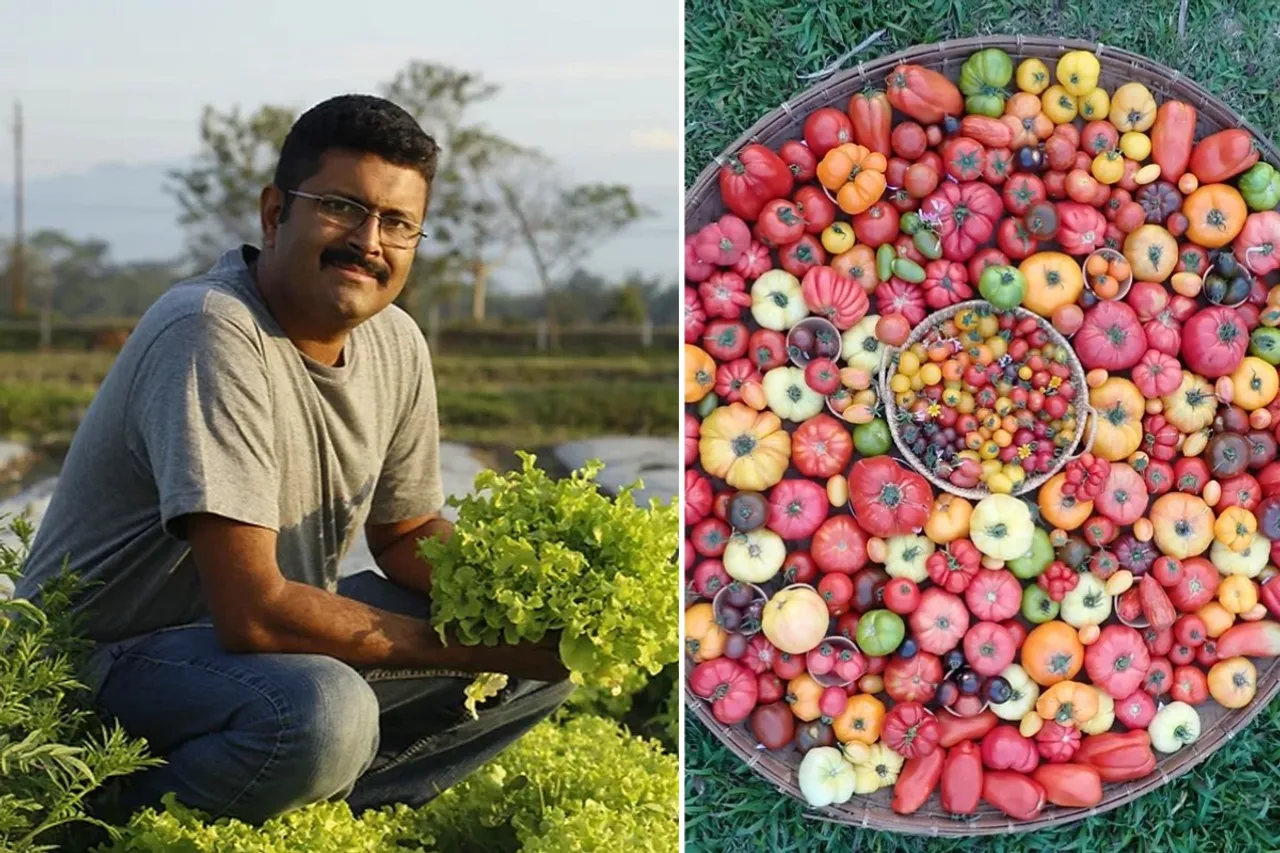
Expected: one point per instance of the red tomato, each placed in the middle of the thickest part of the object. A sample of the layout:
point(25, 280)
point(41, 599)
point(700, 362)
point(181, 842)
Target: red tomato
point(895, 175)
point(912, 679)
point(825, 128)
point(837, 591)
point(1189, 685)
point(999, 166)
point(1022, 191)
point(731, 687)
point(1055, 185)
point(839, 545)
point(780, 222)
point(909, 140)
point(817, 210)
point(920, 180)
point(799, 159)
point(802, 255)
point(988, 257)
point(799, 568)
point(1015, 240)
point(1081, 186)
point(965, 158)
point(877, 225)
point(752, 178)
point(993, 595)
point(989, 648)
point(901, 595)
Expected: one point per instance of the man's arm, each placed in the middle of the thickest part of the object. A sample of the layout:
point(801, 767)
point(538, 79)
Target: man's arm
point(256, 609)
point(395, 548)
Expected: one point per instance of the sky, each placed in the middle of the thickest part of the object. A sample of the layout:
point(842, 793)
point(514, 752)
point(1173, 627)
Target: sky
point(112, 94)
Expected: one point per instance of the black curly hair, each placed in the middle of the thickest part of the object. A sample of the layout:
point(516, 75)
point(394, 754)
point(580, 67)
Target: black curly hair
point(363, 123)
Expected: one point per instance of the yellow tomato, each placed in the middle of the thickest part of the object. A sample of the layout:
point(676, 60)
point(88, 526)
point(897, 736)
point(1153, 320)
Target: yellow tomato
point(1078, 72)
point(900, 383)
point(930, 374)
point(1033, 76)
point(1095, 105)
point(1059, 105)
point(989, 450)
point(988, 325)
point(838, 238)
point(1135, 144)
point(999, 483)
point(1015, 473)
point(1237, 594)
point(1108, 167)
point(908, 363)
point(998, 346)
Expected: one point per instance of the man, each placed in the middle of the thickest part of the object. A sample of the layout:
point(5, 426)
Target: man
point(255, 418)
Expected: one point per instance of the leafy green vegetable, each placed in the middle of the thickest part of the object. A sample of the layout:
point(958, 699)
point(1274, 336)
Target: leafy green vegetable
point(586, 785)
point(531, 555)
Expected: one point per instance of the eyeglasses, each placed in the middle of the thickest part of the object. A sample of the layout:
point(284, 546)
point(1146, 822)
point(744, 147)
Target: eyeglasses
point(394, 231)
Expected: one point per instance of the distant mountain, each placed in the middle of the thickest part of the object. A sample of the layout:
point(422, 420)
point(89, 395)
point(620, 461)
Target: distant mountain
point(124, 204)
point(127, 206)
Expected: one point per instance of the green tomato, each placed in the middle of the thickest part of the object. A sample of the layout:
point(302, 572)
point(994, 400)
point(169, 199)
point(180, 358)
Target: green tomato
point(879, 632)
point(872, 438)
point(1260, 187)
point(929, 243)
point(910, 222)
point(885, 256)
point(984, 105)
point(1002, 286)
point(1265, 344)
point(986, 72)
point(908, 270)
point(1033, 563)
point(708, 404)
point(1037, 606)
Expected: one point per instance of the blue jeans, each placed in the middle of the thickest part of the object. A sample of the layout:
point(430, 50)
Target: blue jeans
point(254, 735)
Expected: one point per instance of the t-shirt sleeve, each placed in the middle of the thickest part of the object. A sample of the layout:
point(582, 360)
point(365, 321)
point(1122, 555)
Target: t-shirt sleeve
point(409, 484)
point(201, 421)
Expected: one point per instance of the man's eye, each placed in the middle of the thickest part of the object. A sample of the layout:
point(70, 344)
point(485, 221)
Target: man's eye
point(401, 227)
point(339, 206)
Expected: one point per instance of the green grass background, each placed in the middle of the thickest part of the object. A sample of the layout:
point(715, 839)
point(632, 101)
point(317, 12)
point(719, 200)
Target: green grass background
point(742, 58)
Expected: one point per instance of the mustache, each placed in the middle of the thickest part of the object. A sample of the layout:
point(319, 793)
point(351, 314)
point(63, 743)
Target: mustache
point(336, 255)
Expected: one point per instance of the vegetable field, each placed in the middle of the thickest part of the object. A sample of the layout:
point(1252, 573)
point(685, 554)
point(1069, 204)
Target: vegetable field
point(506, 401)
point(1018, 377)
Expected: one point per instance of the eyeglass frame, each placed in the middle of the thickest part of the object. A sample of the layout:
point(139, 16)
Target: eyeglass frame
point(422, 235)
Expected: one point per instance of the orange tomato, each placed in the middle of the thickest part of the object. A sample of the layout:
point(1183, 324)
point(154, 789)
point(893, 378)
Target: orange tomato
point(1096, 265)
point(1119, 269)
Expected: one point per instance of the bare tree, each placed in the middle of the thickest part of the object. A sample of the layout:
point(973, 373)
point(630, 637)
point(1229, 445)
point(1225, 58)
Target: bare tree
point(560, 225)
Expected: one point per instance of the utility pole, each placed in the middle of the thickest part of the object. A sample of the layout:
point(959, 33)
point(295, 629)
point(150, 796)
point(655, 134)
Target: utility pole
point(19, 296)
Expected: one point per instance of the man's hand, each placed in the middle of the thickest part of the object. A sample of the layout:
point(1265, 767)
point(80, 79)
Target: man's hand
point(539, 661)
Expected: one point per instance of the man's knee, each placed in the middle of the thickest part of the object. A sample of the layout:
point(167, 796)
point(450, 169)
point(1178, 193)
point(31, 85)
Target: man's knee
point(328, 737)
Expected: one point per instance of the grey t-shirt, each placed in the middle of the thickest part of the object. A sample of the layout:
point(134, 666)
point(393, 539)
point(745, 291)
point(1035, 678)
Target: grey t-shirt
point(210, 408)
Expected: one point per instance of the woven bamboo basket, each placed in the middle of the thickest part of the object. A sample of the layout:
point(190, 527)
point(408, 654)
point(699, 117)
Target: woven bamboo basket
point(1088, 418)
point(703, 205)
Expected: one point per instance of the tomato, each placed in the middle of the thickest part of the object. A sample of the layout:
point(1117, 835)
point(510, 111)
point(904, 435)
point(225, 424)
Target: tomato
point(839, 545)
point(773, 725)
point(920, 180)
point(1022, 191)
point(968, 214)
point(909, 140)
point(817, 210)
point(895, 175)
point(913, 679)
point(767, 349)
point(826, 128)
point(901, 595)
point(780, 222)
point(988, 257)
point(965, 158)
point(799, 159)
point(802, 255)
point(877, 225)
point(730, 686)
point(999, 166)
point(989, 648)
point(837, 591)
point(752, 178)
point(1015, 240)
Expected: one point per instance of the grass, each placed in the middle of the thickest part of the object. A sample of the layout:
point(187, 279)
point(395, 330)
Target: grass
point(742, 58)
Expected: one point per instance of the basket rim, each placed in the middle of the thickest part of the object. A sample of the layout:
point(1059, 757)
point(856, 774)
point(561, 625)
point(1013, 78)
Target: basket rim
point(779, 769)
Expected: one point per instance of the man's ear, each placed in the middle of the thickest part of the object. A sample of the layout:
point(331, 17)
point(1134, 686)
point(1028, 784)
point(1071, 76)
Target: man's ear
point(270, 210)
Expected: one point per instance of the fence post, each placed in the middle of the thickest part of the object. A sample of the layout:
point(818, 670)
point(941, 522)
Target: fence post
point(646, 333)
point(542, 335)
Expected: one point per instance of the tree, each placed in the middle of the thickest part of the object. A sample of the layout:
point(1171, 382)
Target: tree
point(219, 193)
point(560, 225)
point(471, 233)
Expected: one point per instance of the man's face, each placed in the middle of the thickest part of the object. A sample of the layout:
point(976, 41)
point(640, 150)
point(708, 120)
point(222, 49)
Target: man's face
point(335, 276)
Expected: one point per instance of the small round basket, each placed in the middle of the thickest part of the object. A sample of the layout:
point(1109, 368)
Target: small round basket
point(1087, 428)
point(703, 204)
